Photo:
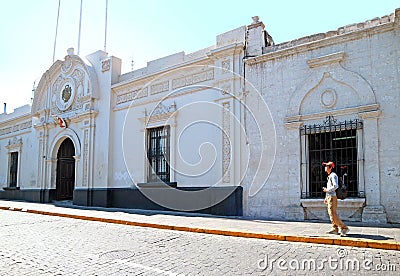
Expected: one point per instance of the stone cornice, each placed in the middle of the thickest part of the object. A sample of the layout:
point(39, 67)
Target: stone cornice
point(373, 114)
point(256, 25)
point(324, 42)
point(294, 125)
point(360, 110)
point(325, 60)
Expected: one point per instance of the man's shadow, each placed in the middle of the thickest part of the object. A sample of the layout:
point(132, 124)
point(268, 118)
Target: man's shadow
point(370, 237)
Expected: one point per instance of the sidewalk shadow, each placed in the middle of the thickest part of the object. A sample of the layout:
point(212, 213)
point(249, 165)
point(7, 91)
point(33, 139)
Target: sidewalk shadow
point(369, 237)
point(145, 212)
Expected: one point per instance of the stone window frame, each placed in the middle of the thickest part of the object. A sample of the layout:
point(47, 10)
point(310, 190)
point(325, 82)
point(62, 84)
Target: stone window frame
point(14, 145)
point(367, 109)
point(161, 116)
point(372, 210)
point(305, 165)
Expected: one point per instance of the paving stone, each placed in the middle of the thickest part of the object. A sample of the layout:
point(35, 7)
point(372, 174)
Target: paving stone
point(40, 245)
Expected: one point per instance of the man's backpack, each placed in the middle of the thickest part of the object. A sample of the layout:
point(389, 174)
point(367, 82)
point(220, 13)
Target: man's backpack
point(341, 192)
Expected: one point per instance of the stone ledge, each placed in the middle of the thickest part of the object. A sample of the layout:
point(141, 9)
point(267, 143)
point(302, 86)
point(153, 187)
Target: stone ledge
point(157, 185)
point(347, 203)
point(350, 209)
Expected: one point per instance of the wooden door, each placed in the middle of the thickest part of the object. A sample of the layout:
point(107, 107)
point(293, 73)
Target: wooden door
point(65, 181)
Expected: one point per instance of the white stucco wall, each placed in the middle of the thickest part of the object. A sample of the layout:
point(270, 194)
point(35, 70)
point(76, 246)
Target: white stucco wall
point(191, 101)
point(16, 136)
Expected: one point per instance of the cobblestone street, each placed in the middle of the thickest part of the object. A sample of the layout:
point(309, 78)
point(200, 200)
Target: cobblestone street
point(43, 245)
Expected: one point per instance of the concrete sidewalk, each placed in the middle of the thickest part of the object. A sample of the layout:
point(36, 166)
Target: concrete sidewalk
point(381, 236)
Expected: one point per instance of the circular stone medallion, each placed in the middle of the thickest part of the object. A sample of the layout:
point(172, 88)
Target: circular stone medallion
point(328, 98)
point(66, 96)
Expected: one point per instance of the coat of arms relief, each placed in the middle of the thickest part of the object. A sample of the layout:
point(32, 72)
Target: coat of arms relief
point(68, 91)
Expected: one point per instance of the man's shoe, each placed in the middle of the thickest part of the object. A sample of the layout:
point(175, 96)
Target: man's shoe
point(333, 231)
point(344, 232)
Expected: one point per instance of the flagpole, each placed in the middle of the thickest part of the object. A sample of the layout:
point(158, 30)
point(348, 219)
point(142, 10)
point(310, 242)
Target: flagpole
point(105, 29)
point(55, 38)
point(79, 35)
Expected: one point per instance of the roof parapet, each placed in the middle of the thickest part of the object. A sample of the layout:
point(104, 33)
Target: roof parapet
point(386, 19)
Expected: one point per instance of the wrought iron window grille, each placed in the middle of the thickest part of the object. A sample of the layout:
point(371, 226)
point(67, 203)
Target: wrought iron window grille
point(13, 169)
point(331, 141)
point(158, 154)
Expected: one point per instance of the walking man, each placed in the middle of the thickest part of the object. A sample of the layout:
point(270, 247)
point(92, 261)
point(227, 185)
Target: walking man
point(332, 202)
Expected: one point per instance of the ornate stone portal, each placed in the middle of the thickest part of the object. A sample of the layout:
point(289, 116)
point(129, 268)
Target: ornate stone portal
point(65, 92)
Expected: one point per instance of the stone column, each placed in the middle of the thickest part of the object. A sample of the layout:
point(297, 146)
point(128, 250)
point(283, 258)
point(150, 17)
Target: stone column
point(294, 210)
point(373, 211)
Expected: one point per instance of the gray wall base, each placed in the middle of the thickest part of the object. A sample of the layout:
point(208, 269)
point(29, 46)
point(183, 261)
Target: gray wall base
point(32, 195)
point(132, 198)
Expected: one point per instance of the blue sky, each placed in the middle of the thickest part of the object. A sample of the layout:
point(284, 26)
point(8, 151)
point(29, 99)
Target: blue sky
point(147, 30)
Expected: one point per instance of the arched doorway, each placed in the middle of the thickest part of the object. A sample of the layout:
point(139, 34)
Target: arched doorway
point(65, 180)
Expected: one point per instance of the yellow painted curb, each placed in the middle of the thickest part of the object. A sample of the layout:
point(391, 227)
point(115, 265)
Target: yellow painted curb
point(273, 237)
point(306, 239)
point(264, 236)
point(383, 245)
point(295, 238)
point(355, 243)
point(183, 228)
point(221, 232)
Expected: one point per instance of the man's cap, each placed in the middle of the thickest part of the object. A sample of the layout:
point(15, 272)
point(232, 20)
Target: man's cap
point(329, 163)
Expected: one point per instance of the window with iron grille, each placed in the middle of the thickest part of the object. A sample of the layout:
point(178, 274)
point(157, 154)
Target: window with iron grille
point(13, 169)
point(331, 141)
point(158, 154)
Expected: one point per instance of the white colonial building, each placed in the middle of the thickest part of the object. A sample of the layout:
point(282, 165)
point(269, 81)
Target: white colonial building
point(238, 128)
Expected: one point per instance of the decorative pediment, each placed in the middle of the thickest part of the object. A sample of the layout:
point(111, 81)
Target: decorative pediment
point(14, 143)
point(329, 88)
point(329, 94)
point(66, 87)
point(159, 114)
point(162, 109)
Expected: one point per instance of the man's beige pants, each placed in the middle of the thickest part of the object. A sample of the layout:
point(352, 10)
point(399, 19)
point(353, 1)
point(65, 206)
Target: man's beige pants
point(332, 211)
